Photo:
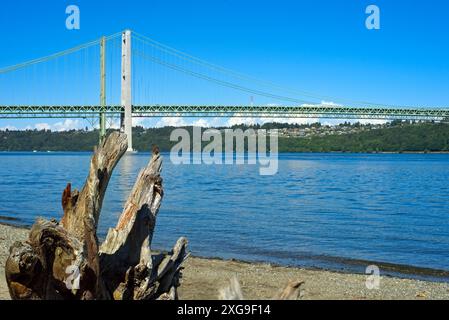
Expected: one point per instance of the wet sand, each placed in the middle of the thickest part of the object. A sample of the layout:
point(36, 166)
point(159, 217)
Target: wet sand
point(202, 279)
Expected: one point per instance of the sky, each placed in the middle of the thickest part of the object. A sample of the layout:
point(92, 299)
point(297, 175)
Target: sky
point(317, 46)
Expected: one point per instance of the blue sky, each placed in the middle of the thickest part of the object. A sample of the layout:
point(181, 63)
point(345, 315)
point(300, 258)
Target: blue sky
point(317, 46)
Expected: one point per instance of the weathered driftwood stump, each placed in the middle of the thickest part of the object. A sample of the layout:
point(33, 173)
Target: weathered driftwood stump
point(65, 261)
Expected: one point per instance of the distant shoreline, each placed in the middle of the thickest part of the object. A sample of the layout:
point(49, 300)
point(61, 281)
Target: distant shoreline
point(393, 137)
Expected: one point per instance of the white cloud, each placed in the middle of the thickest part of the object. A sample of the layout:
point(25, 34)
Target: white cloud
point(183, 122)
point(10, 128)
point(289, 120)
point(67, 124)
point(241, 120)
point(136, 122)
point(370, 121)
point(334, 122)
point(217, 122)
point(171, 122)
point(201, 123)
point(41, 126)
point(330, 103)
point(264, 119)
point(114, 125)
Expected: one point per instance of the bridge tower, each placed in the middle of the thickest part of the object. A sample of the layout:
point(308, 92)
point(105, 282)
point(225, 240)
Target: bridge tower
point(126, 117)
point(102, 88)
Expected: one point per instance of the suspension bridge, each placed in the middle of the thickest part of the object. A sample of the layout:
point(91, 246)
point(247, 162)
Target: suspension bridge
point(127, 75)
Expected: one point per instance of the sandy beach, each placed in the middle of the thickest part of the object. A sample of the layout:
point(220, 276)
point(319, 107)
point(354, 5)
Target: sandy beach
point(202, 279)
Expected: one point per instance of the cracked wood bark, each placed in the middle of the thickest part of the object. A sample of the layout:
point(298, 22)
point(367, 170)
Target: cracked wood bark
point(64, 260)
point(128, 244)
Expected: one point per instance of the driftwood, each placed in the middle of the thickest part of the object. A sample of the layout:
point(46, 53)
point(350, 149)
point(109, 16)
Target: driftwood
point(234, 291)
point(65, 261)
point(291, 291)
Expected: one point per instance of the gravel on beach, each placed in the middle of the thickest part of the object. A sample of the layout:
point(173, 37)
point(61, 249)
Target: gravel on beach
point(202, 279)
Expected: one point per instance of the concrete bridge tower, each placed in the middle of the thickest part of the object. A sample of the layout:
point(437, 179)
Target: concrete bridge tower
point(126, 97)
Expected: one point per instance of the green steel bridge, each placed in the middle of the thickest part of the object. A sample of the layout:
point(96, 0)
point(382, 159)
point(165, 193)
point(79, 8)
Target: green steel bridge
point(37, 88)
point(316, 111)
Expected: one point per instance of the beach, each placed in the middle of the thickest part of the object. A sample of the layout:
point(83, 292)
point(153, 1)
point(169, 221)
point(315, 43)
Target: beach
point(203, 278)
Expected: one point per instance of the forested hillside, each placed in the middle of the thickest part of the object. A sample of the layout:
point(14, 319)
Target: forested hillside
point(395, 137)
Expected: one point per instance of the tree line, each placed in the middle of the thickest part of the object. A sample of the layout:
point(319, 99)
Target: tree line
point(392, 137)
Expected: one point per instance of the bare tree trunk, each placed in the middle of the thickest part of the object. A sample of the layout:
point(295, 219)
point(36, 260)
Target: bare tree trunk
point(64, 260)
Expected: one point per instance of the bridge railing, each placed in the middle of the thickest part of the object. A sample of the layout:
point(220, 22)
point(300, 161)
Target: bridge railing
point(339, 112)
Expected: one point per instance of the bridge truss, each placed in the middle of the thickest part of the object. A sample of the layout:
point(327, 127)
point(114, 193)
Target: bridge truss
point(319, 111)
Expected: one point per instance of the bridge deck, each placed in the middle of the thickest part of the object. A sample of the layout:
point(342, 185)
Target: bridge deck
point(228, 111)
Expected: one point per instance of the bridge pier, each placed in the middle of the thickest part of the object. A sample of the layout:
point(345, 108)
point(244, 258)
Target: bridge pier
point(126, 97)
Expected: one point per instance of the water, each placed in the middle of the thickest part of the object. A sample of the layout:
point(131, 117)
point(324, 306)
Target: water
point(321, 210)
